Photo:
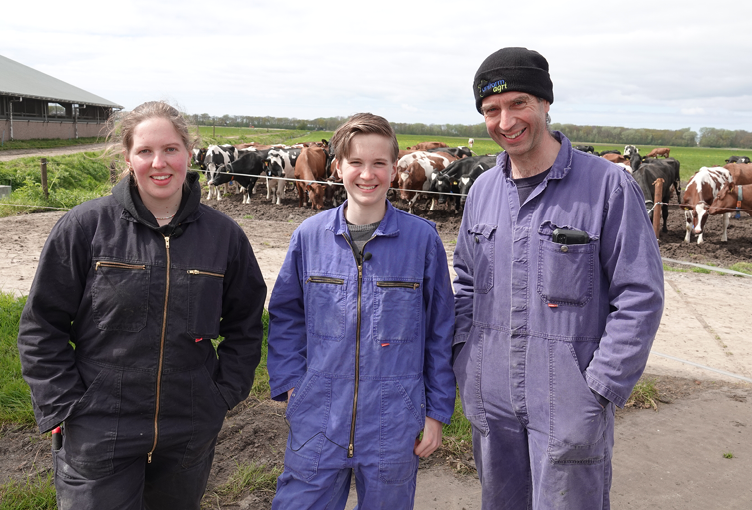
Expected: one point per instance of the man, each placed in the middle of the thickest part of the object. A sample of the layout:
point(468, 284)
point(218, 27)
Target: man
point(559, 294)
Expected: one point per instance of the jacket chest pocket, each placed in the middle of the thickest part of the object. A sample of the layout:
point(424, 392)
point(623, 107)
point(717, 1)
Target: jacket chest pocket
point(565, 272)
point(483, 240)
point(204, 303)
point(325, 307)
point(396, 311)
point(120, 296)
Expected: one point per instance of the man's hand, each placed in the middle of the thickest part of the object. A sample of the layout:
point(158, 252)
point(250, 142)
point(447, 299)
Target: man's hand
point(289, 393)
point(431, 439)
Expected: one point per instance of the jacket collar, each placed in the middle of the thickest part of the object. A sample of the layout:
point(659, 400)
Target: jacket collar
point(560, 168)
point(126, 194)
point(389, 225)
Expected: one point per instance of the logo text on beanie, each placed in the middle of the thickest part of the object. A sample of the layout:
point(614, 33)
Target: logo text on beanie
point(496, 87)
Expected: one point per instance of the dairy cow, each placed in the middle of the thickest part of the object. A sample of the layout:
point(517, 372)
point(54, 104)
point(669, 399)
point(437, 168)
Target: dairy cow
point(216, 156)
point(415, 170)
point(310, 169)
point(245, 171)
point(280, 163)
point(449, 179)
point(699, 193)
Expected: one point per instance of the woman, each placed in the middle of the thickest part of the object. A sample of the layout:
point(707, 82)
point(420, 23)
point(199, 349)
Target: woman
point(115, 338)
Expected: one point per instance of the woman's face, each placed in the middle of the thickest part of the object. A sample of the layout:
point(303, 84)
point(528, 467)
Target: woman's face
point(159, 160)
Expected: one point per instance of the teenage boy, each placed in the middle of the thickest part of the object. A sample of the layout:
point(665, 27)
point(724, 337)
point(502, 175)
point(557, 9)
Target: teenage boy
point(360, 333)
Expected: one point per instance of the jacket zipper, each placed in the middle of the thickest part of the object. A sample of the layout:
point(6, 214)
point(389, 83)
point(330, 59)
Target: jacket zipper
point(161, 352)
point(118, 265)
point(351, 446)
point(197, 271)
point(401, 285)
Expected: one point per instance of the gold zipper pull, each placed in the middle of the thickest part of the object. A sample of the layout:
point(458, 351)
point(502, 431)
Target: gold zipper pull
point(148, 458)
point(167, 242)
point(349, 451)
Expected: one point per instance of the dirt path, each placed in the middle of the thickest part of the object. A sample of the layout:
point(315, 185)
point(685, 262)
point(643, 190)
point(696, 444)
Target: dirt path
point(7, 155)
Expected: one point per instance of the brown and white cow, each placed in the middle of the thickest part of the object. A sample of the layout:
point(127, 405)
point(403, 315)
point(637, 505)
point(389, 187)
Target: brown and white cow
point(415, 171)
point(732, 197)
point(311, 170)
point(615, 158)
point(424, 146)
point(659, 151)
point(741, 173)
point(699, 193)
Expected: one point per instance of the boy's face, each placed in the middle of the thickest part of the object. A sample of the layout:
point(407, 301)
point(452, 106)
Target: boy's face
point(368, 172)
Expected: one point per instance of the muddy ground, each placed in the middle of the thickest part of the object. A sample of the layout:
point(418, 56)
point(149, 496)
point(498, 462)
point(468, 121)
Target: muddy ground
point(255, 432)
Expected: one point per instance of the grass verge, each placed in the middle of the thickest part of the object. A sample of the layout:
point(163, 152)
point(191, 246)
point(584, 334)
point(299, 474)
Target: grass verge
point(246, 479)
point(36, 493)
point(15, 400)
point(644, 395)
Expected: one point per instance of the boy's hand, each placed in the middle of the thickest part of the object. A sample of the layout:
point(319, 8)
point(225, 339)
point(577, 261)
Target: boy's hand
point(431, 439)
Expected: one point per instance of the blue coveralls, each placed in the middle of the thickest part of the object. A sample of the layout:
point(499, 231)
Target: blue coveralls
point(367, 347)
point(544, 325)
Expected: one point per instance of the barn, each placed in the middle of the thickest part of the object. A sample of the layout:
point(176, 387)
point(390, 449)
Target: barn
point(37, 105)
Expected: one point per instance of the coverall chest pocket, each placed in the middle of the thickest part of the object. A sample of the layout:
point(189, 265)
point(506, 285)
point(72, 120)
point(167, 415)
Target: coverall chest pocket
point(325, 306)
point(396, 311)
point(204, 303)
point(565, 272)
point(120, 295)
point(483, 239)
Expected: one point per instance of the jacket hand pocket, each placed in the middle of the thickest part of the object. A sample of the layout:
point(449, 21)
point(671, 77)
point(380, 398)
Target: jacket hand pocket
point(205, 290)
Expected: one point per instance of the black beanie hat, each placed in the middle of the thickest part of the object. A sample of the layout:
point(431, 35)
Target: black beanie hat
point(510, 69)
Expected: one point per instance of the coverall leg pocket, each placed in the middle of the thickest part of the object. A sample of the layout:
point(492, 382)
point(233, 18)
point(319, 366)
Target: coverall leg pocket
point(467, 369)
point(402, 419)
point(307, 415)
point(578, 422)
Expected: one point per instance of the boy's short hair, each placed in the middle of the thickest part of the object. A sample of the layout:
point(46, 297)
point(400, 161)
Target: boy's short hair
point(359, 124)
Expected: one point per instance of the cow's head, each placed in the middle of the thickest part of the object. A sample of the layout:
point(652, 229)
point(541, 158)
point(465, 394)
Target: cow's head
point(316, 194)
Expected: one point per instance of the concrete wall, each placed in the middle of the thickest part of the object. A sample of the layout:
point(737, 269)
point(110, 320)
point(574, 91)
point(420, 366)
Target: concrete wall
point(28, 129)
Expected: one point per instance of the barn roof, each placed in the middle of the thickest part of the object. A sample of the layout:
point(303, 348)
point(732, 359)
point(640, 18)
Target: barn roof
point(19, 80)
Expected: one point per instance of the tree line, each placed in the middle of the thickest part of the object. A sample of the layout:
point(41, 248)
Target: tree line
point(685, 137)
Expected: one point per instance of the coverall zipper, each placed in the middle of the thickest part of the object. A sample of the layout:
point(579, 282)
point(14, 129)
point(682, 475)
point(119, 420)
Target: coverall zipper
point(161, 352)
point(351, 446)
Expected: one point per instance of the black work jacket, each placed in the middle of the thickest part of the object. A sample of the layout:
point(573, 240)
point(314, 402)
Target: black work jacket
point(116, 333)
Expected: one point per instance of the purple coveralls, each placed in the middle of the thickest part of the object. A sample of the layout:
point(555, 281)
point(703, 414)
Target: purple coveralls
point(544, 325)
point(367, 347)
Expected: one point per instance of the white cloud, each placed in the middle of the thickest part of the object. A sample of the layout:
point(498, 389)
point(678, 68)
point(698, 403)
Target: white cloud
point(409, 61)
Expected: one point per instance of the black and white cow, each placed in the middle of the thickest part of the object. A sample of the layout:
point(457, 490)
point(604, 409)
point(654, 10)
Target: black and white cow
point(737, 159)
point(245, 171)
point(280, 163)
point(629, 150)
point(448, 180)
point(458, 152)
point(198, 157)
point(466, 181)
point(216, 156)
point(585, 148)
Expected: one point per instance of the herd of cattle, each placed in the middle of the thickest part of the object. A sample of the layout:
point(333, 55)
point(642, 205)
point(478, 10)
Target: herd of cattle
point(451, 171)
point(427, 166)
point(711, 190)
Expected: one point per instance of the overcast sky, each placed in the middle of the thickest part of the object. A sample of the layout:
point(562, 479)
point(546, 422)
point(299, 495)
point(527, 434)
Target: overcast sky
point(655, 64)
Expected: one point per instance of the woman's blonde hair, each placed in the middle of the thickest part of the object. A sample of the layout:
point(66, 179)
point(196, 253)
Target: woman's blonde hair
point(122, 126)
